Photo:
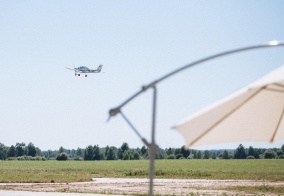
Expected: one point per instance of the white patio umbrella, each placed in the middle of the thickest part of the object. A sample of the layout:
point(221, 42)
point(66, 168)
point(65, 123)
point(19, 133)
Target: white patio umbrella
point(253, 114)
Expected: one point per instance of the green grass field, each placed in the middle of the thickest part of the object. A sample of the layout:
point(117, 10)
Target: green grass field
point(75, 171)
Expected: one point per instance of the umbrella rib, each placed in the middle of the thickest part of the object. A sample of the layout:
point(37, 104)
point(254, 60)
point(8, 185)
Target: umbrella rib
point(277, 127)
point(226, 116)
point(277, 85)
point(275, 90)
point(280, 85)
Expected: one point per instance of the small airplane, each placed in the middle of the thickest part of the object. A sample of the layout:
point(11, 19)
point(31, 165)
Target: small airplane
point(85, 70)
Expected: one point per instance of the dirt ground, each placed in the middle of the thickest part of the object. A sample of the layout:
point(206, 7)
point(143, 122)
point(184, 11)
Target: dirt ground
point(130, 186)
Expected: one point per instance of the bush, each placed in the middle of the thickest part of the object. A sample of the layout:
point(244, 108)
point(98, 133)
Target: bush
point(77, 158)
point(39, 158)
point(33, 159)
point(191, 156)
point(178, 156)
point(269, 154)
point(250, 157)
point(171, 156)
point(21, 158)
point(26, 158)
point(279, 153)
point(62, 157)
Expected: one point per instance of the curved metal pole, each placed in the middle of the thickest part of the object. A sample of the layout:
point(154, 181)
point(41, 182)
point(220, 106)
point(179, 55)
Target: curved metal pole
point(115, 111)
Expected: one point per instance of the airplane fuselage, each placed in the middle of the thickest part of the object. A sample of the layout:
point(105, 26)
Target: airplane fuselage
point(85, 70)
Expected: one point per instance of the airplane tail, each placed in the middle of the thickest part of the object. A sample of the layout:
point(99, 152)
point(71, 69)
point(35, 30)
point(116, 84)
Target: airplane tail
point(99, 69)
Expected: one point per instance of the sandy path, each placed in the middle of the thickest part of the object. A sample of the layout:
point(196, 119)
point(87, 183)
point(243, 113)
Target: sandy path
point(130, 186)
point(29, 193)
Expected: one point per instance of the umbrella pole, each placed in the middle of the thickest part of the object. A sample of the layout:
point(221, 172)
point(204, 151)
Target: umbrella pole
point(152, 148)
point(152, 171)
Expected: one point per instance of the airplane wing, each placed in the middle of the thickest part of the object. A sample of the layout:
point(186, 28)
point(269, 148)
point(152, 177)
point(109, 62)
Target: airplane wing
point(70, 69)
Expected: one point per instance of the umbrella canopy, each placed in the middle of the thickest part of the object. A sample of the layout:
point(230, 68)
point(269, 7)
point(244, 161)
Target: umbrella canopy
point(252, 114)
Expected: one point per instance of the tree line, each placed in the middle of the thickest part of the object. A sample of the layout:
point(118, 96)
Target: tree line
point(21, 151)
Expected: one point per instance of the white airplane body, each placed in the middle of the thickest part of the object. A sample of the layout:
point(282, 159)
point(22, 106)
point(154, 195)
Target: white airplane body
point(85, 70)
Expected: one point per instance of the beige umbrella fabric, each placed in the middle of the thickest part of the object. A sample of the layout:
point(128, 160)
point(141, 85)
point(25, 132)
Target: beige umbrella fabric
point(253, 114)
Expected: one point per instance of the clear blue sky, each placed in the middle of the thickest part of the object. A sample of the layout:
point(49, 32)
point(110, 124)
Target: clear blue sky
point(137, 42)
